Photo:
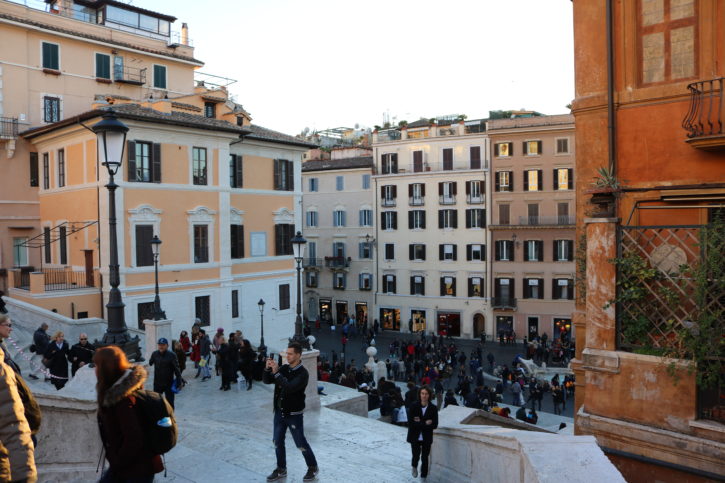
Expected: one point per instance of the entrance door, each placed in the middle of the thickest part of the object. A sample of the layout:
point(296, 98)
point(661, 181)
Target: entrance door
point(418, 317)
point(449, 323)
point(479, 325)
point(341, 311)
point(390, 319)
point(533, 327)
point(326, 310)
point(88, 254)
point(361, 314)
point(504, 325)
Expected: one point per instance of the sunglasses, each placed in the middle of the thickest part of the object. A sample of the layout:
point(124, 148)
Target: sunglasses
point(6, 325)
point(83, 338)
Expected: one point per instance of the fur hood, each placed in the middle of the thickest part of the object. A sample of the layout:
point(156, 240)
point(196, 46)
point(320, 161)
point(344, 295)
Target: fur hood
point(131, 381)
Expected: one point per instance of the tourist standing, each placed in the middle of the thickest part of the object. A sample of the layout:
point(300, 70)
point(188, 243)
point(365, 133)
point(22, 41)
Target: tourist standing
point(422, 420)
point(56, 360)
point(81, 354)
point(166, 367)
point(290, 381)
point(247, 362)
point(15, 432)
point(41, 341)
point(204, 355)
point(121, 429)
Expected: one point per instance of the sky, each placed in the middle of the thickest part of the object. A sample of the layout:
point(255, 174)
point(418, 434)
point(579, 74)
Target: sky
point(330, 63)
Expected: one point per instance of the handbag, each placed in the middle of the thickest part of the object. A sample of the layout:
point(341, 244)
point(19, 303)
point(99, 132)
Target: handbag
point(203, 362)
point(46, 362)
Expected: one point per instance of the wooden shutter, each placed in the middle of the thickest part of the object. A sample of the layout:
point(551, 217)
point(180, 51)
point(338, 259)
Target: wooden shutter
point(238, 171)
point(469, 252)
point(440, 218)
point(541, 147)
point(441, 252)
point(384, 161)
point(570, 177)
point(410, 220)
point(410, 191)
point(34, 172)
point(144, 254)
point(541, 288)
point(526, 250)
point(290, 176)
point(443, 286)
point(468, 188)
point(554, 252)
point(411, 252)
point(382, 220)
point(495, 149)
point(468, 218)
point(511, 149)
point(540, 250)
point(512, 251)
point(526, 288)
point(526, 180)
point(240, 242)
point(475, 152)
point(382, 192)
point(395, 191)
point(454, 188)
point(497, 185)
point(454, 218)
point(131, 161)
point(455, 252)
point(277, 183)
point(156, 163)
point(422, 190)
point(395, 220)
point(470, 287)
point(423, 254)
point(440, 189)
point(412, 285)
point(278, 236)
point(511, 181)
point(497, 250)
point(556, 179)
point(570, 246)
point(525, 147)
point(453, 286)
point(540, 179)
point(422, 219)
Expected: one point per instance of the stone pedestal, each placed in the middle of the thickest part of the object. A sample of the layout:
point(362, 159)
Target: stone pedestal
point(309, 359)
point(371, 352)
point(155, 329)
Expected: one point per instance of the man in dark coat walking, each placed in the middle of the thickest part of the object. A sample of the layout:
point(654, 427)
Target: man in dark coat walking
point(41, 341)
point(81, 354)
point(166, 367)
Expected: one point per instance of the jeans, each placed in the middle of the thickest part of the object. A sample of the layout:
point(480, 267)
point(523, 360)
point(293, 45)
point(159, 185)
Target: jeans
point(108, 477)
point(205, 370)
point(296, 427)
point(417, 447)
point(167, 392)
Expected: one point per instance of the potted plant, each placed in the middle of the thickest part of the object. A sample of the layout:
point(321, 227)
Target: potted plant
point(604, 190)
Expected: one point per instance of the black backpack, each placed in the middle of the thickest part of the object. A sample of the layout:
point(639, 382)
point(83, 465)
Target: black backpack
point(152, 410)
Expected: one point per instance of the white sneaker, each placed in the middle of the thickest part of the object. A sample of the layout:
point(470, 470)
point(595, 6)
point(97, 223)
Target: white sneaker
point(415, 472)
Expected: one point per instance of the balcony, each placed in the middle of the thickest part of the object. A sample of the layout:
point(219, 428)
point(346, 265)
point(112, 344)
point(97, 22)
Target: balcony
point(312, 262)
point(474, 200)
point(505, 303)
point(52, 279)
point(389, 136)
point(447, 200)
point(387, 202)
point(130, 75)
point(413, 201)
point(704, 119)
point(337, 262)
point(547, 220)
point(8, 128)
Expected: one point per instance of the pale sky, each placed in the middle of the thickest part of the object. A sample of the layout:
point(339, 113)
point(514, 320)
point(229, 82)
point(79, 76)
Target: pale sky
point(330, 63)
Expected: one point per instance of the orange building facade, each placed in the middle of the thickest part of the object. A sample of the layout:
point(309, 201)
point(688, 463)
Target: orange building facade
point(648, 109)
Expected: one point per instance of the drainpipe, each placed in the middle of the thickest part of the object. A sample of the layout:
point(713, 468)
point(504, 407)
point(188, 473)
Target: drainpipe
point(611, 119)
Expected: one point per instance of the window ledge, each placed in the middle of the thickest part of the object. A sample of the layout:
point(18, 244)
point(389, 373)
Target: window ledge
point(51, 71)
point(708, 425)
point(101, 80)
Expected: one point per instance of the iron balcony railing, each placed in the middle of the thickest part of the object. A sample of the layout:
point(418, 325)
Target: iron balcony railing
point(704, 118)
point(312, 262)
point(130, 75)
point(388, 136)
point(475, 200)
point(388, 202)
point(337, 262)
point(547, 220)
point(447, 199)
point(413, 201)
point(62, 279)
point(503, 302)
point(8, 128)
point(22, 279)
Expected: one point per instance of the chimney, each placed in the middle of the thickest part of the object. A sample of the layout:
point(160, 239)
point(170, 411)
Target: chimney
point(184, 34)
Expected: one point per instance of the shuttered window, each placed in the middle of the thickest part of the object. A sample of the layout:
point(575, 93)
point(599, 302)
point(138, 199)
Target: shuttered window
point(236, 178)
point(201, 244)
point(447, 159)
point(284, 175)
point(103, 66)
point(284, 297)
point(237, 241)
point(283, 234)
point(475, 155)
point(51, 56)
point(144, 253)
point(159, 76)
point(235, 304)
point(144, 162)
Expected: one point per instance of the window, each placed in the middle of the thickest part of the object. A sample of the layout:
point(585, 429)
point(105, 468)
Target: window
point(562, 146)
point(202, 306)
point(475, 155)
point(366, 181)
point(284, 175)
point(476, 252)
point(201, 243)
point(447, 252)
point(504, 291)
point(63, 240)
point(448, 286)
point(144, 253)
point(236, 171)
point(504, 214)
point(20, 252)
point(416, 219)
point(447, 219)
point(563, 179)
point(312, 251)
point(311, 219)
point(46, 244)
point(417, 161)
point(51, 109)
point(533, 213)
point(533, 251)
point(416, 251)
point(235, 304)
point(145, 311)
point(313, 185)
point(61, 168)
point(339, 218)
point(34, 169)
point(159, 76)
point(475, 218)
point(388, 194)
point(503, 150)
point(284, 298)
point(236, 234)
point(210, 109)
point(199, 166)
point(140, 161)
point(338, 251)
point(51, 56)
point(390, 163)
point(447, 159)
point(389, 220)
point(447, 191)
point(366, 217)
point(311, 278)
point(475, 191)
point(563, 250)
point(340, 183)
point(533, 288)
point(416, 194)
point(389, 251)
point(475, 287)
point(389, 284)
point(339, 280)
point(562, 212)
point(283, 234)
point(532, 148)
point(103, 66)
point(504, 251)
point(365, 250)
point(365, 281)
point(417, 285)
point(563, 289)
point(533, 180)
point(504, 181)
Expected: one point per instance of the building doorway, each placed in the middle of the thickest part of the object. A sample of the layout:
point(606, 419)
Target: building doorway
point(390, 319)
point(504, 326)
point(341, 311)
point(326, 311)
point(361, 314)
point(533, 331)
point(418, 318)
point(479, 325)
point(449, 324)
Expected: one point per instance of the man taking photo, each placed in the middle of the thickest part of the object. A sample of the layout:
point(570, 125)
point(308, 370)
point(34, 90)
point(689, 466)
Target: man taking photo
point(166, 366)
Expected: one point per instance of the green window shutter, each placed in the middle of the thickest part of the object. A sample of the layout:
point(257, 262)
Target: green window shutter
point(160, 76)
point(103, 66)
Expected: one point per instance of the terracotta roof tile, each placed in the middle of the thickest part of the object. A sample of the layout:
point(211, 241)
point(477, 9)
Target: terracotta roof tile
point(264, 134)
point(332, 164)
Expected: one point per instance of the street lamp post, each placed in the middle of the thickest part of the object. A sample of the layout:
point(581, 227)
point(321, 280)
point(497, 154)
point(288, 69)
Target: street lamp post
point(298, 248)
point(262, 347)
point(111, 139)
point(156, 247)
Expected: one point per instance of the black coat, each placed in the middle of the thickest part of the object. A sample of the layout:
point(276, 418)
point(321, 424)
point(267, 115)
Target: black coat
point(41, 340)
point(289, 387)
point(58, 358)
point(81, 353)
point(416, 428)
point(167, 366)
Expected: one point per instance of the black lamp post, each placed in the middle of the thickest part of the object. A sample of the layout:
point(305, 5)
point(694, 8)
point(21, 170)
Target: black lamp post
point(155, 248)
point(111, 139)
point(298, 248)
point(262, 347)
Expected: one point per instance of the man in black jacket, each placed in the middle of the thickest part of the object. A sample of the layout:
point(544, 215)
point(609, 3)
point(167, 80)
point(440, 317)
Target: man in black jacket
point(289, 382)
point(41, 341)
point(81, 354)
point(166, 367)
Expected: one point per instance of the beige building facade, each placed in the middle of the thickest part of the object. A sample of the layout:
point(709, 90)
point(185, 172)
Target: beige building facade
point(532, 225)
point(431, 238)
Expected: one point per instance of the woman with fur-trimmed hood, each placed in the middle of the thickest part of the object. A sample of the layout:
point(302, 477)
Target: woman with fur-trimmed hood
point(121, 430)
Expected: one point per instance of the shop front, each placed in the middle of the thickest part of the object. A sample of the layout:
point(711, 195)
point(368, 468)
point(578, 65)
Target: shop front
point(504, 325)
point(326, 311)
point(562, 328)
point(341, 311)
point(418, 318)
point(449, 324)
point(390, 319)
point(361, 314)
